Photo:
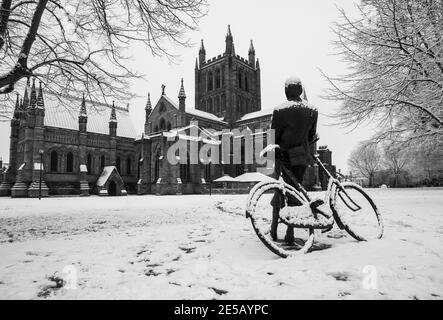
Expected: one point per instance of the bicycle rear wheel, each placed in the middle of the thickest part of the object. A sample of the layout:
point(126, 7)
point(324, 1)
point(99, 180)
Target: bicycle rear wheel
point(356, 212)
point(259, 210)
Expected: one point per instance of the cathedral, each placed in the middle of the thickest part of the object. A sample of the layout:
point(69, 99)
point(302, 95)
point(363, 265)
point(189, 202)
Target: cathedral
point(54, 151)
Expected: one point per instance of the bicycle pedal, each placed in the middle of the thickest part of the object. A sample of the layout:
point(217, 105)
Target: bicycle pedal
point(327, 229)
point(316, 203)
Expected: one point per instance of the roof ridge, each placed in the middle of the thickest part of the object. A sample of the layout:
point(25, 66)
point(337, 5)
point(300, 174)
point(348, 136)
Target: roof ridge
point(98, 103)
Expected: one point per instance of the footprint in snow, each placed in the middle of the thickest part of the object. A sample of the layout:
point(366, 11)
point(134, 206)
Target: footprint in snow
point(340, 276)
point(188, 250)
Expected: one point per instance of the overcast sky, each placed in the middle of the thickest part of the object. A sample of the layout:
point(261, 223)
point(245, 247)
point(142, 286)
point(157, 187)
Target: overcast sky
point(291, 37)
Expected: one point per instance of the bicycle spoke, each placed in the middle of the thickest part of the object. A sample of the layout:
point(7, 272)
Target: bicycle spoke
point(363, 224)
point(262, 220)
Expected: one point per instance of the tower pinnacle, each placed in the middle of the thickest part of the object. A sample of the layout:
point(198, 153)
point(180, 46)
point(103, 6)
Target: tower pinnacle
point(83, 112)
point(202, 47)
point(202, 54)
point(148, 104)
point(230, 50)
point(182, 98)
point(252, 54)
point(182, 93)
point(25, 95)
point(17, 107)
point(33, 99)
point(40, 101)
point(251, 48)
point(113, 113)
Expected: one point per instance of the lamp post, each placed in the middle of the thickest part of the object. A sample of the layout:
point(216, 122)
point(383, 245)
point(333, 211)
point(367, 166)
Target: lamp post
point(41, 172)
point(210, 177)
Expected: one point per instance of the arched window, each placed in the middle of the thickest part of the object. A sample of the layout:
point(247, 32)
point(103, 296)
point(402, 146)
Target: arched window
point(54, 161)
point(185, 171)
point(217, 78)
point(162, 125)
point(89, 163)
point(102, 163)
point(223, 103)
point(210, 81)
point(162, 108)
point(210, 108)
point(157, 167)
point(239, 79)
point(156, 129)
point(128, 166)
point(223, 76)
point(246, 83)
point(70, 162)
point(169, 126)
point(118, 165)
point(217, 105)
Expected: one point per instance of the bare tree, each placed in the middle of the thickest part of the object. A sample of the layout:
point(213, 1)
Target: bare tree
point(83, 46)
point(365, 160)
point(425, 164)
point(395, 55)
point(395, 159)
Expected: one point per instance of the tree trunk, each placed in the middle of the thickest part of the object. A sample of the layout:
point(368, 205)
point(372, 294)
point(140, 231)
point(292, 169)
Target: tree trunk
point(20, 70)
point(5, 11)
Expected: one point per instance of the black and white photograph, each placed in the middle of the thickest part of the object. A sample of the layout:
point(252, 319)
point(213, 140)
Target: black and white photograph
point(228, 150)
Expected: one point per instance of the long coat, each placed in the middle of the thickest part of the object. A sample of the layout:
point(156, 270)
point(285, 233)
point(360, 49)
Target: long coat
point(295, 125)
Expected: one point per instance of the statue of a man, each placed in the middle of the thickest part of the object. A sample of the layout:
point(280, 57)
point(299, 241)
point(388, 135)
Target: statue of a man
point(295, 125)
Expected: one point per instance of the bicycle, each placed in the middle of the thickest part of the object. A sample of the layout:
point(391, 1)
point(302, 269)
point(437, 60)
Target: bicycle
point(344, 200)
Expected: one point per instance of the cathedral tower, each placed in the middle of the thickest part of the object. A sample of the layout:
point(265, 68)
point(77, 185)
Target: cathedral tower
point(228, 85)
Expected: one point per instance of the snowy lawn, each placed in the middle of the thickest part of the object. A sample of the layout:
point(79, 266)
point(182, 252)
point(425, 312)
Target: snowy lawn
point(202, 247)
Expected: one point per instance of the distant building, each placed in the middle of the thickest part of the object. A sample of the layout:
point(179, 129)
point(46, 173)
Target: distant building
point(325, 156)
point(72, 148)
point(227, 96)
point(96, 149)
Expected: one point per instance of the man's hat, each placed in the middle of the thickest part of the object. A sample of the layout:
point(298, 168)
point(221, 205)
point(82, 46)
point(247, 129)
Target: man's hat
point(292, 81)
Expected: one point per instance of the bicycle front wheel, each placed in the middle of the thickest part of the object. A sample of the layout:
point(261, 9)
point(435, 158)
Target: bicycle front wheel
point(356, 212)
point(259, 210)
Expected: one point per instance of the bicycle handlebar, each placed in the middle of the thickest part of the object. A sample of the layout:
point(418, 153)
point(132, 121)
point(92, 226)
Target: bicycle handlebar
point(273, 147)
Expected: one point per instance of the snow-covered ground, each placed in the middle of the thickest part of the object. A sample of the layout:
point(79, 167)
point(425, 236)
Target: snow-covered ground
point(202, 247)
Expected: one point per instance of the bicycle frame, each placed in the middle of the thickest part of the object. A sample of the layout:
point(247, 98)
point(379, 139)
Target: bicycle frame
point(332, 182)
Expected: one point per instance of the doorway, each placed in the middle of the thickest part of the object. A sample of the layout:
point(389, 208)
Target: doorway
point(112, 188)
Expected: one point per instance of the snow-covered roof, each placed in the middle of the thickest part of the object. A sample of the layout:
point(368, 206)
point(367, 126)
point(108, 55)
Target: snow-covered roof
point(170, 101)
point(107, 171)
point(253, 177)
point(195, 112)
point(258, 114)
point(226, 178)
point(63, 112)
point(205, 115)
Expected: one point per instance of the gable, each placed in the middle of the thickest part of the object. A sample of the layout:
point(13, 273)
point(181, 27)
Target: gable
point(163, 115)
point(107, 174)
